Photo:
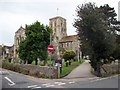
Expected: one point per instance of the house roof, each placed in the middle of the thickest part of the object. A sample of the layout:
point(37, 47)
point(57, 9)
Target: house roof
point(68, 38)
point(56, 17)
point(8, 46)
point(21, 28)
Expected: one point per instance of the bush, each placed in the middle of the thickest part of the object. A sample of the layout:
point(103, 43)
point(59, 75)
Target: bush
point(69, 54)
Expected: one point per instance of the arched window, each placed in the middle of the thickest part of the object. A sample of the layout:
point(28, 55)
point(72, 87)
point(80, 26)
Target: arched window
point(55, 24)
point(17, 41)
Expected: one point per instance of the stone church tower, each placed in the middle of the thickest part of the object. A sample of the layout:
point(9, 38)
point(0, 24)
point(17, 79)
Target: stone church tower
point(19, 36)
point(58, 25)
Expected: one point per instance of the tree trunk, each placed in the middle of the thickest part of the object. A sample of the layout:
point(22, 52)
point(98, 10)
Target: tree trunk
point(28, 62)
point(45, 62)
point(67, 63)
point(35, 61)
point(98, 69)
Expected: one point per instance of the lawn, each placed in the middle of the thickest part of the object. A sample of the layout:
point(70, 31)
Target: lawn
point(42, 62)
point(67, 70)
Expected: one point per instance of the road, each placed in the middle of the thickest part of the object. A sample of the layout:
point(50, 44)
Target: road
point(15, 80)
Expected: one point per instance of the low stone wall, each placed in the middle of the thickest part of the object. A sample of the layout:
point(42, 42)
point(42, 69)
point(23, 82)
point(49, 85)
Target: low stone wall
point(39, 71)
point(33, 70)
point(110, 69)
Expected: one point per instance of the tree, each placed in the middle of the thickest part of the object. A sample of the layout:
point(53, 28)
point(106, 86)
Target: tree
point(114, 27)
point(110, 14)
point(92, 29)
point(116, 53)
point(68, 55)
point(35, 44)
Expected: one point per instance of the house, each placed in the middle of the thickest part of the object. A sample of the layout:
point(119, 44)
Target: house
point(6, 52)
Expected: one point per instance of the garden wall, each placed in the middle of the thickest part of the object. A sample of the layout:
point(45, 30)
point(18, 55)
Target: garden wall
point(33, 70)
point(110, 69)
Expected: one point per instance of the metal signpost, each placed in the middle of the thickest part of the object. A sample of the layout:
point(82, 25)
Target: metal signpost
point(50, 49)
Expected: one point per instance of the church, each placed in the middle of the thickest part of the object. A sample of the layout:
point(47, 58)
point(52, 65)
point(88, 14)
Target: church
point(61, 41)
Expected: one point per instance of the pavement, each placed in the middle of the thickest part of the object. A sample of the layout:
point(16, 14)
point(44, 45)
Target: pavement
point(82, 71)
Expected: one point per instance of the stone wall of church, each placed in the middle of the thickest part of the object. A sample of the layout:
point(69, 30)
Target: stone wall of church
point(19, 36)
point(58, 25)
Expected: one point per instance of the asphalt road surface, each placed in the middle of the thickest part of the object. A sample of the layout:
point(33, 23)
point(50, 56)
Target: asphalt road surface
point(11, 79)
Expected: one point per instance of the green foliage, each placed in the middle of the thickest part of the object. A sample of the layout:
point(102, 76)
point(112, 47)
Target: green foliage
point(69, 54)
point(42, 62)
point(116, 53)
point(96, 38)
point(109, 13)
point(114, 27)
point(35, 44)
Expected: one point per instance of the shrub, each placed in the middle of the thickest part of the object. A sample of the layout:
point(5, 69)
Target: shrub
point(69, 54)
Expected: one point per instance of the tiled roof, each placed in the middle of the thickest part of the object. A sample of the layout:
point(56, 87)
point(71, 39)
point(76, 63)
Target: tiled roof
point(68, 38)
point(21, 28)
point(57, 17)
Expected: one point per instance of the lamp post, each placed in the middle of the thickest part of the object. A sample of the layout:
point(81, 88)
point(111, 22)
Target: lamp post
point(78, 53)
point(50, 52)
point(79, 49)
point(3, 51)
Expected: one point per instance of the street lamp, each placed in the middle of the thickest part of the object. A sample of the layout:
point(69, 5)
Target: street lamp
point(80, 50)
point(3, 51)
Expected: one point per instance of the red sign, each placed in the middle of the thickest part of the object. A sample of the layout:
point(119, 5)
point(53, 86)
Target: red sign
point(50, 48)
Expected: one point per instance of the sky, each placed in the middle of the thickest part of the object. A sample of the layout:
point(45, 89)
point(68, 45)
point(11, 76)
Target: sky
point(16, 13)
